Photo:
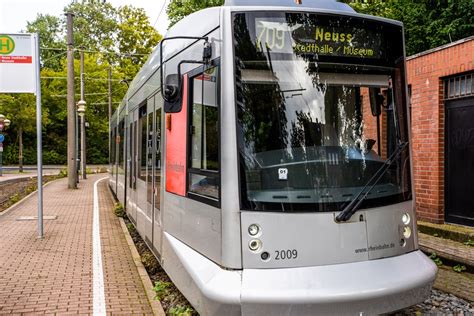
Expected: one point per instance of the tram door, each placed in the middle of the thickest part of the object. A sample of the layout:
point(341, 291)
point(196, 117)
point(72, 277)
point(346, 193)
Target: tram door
point(141, 187)
point(147, 151)
point(131, 165)
point(157, 162)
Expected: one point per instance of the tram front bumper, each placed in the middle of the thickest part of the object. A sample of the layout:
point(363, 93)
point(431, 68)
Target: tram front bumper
point(364, 288)
point(368, 287)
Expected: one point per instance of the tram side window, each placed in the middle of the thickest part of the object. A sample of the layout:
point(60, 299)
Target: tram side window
point(157, 158)
point(120, 142)
point(203, 174)
point(112, 151)
point(142, 143)
point(130, 156)
point(149, 159)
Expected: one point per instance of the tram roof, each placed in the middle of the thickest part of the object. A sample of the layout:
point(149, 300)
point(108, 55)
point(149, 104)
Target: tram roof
point(211, 16)
point(313, 4)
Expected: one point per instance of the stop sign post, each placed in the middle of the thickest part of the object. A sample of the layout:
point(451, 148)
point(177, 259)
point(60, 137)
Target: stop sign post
point(2, 138)
point(20, 69)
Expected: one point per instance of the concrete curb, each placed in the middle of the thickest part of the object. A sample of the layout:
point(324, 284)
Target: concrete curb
point(25, 198)
point(155, 305)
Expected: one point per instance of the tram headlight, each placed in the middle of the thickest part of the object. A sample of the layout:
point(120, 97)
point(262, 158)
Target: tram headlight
point(255, 244)
point(406, 218)
point(406, 232)
point(254, 229)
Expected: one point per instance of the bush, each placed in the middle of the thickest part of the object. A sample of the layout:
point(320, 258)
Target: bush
point(119, 210)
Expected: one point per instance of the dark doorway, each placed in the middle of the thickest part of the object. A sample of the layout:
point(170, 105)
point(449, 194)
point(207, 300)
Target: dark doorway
point(459, 183)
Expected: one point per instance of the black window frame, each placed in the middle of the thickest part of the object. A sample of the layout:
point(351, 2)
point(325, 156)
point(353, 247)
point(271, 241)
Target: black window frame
point(142, 122)
point(189, 170)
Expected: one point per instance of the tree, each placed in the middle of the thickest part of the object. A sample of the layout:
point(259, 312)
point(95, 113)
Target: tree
point(135, 37)
point(50, 28)
point(178, 9)
point(428, 23)
point(121, 38)
point(431, 23)
point(21, 110)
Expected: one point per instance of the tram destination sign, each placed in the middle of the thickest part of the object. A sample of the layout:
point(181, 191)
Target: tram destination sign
point(306, 36)
point(17, 64)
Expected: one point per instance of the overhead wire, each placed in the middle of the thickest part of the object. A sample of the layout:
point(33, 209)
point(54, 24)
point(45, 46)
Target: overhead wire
point(55, 56)
point(159, 14)
point(95, 51)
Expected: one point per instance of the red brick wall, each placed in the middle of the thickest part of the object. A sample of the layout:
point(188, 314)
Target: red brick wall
point(425, 74)
point(370, 124)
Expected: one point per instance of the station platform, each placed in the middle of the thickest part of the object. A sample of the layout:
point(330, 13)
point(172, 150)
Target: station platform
point(83, 265)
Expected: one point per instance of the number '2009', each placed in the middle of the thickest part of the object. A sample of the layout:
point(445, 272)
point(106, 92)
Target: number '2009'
point(286, 254)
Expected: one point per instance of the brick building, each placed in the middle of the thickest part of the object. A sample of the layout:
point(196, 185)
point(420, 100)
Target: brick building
point(441, 84)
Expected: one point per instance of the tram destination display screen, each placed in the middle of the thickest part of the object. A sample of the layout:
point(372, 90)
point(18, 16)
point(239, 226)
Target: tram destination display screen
point(281, 37)
point(322, 36)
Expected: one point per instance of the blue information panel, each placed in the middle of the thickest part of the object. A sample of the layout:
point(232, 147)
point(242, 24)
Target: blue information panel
point(2, 138)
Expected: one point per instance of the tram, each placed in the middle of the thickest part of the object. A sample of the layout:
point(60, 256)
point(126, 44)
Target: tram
point(262, 152)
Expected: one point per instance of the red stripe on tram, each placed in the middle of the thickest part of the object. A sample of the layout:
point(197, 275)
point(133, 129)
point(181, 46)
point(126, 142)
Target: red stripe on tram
point(176, 128)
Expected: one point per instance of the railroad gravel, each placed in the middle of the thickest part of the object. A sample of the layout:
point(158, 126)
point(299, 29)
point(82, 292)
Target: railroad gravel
point(441, 303)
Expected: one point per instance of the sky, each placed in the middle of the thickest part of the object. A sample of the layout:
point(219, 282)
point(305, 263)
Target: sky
point(15, 13)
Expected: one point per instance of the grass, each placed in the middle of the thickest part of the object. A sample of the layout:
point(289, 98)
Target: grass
point(171, 299)
point(180, 310)
point(119, 210)
point(161, 289)
point(436, 259)
point(459, 268)
point(470, 243)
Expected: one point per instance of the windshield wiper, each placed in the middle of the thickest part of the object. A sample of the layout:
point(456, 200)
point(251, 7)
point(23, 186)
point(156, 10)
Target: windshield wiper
point(353, 206)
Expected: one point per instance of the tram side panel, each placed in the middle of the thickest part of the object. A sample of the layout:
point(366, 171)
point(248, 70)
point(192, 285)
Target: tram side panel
point(131, 162)
point(191, 219)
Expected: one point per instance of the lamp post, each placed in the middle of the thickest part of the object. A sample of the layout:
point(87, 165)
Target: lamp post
point(4, 123)
point(81, 109)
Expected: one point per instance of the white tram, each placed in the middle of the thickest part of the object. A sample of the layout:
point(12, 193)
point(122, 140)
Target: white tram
point(262, 153)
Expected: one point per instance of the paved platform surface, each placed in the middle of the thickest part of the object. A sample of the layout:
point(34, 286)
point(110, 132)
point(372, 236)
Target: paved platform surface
point(56, 275)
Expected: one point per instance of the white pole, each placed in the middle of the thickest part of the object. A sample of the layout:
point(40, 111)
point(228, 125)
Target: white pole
point(39, 145)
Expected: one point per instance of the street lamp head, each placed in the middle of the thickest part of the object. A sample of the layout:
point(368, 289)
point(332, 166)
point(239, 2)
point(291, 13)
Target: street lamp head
point(126, 81)
point(81, 107)
point(6, 122)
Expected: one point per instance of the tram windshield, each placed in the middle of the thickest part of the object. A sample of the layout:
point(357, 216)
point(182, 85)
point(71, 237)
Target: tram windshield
point(309, 138)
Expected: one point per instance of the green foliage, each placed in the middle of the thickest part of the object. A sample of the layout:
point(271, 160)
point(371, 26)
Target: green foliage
point(14, 198)
point(130, 227)
point(428, 23)
point(459, 268)
point(63, 173)
point(119, 210)
point(436, 259)
point(121, 38)
point(50, 29)
point(161, 289)
point(180, 310)
point(178, 9)
point(30, 189)
point(470, 242)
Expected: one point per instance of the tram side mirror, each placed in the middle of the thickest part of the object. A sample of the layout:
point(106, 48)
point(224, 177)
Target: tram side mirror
point(376, 101)
point(172, 94)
